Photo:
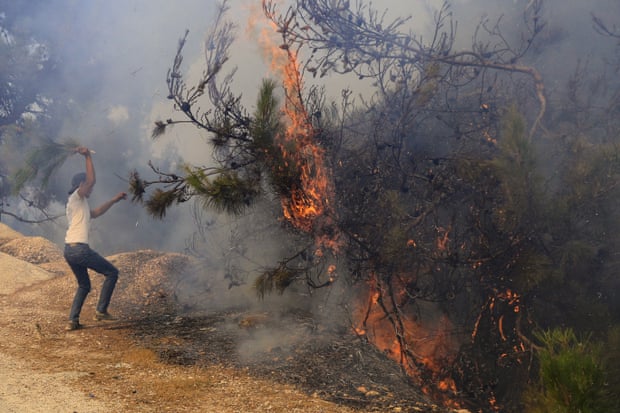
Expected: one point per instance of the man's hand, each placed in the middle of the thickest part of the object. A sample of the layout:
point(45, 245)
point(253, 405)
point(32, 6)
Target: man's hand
point(83, 150)
point(97, 212)
point(119, 196)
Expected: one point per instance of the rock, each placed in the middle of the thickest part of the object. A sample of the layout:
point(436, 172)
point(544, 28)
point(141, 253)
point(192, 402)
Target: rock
point(35, 250)
point(8, 234)
point(17, 274)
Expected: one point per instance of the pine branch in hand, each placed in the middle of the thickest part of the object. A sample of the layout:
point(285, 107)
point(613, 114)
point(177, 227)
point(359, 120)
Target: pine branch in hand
point(42, 162)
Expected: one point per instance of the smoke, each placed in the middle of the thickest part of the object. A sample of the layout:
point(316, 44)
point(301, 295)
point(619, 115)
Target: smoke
point(569, 29)
point(111, 62)
point(112, 56)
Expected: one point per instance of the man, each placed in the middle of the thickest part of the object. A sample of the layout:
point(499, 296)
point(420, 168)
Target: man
point(78, 253)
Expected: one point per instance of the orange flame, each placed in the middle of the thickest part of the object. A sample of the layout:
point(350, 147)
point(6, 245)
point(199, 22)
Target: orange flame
point(422, 348)
point(308, 206)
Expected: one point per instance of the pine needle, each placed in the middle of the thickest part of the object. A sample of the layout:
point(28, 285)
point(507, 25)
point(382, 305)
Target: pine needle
point(42, 162)
point(275, 279)
point(159, 129)
point(137, 186)
point(160, 201)
point(228, 192)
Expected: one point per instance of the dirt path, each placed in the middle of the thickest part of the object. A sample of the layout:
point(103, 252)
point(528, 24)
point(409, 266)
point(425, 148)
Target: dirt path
point(24, 389)
point(101, 369)
point(24, 385)
point(126, 365)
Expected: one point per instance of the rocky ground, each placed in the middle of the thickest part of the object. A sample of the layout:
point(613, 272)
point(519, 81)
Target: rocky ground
point(165, 356)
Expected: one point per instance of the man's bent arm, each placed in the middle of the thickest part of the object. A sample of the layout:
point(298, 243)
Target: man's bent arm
point(102, 209)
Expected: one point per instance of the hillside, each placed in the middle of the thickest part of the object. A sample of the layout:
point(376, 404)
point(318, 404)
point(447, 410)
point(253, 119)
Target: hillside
point(166, 354)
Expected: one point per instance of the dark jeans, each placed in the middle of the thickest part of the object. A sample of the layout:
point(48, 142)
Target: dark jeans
point(80, 258)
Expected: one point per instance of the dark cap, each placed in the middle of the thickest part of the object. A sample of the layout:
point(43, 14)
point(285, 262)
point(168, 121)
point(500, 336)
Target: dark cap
point(76, 181)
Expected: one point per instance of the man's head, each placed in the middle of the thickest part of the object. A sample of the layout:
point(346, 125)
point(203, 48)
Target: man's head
point(76, 181)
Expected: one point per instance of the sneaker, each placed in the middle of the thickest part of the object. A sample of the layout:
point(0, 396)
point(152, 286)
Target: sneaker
point(73, 325)
point(99, 316)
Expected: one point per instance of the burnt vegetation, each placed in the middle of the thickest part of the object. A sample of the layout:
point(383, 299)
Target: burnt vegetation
point(460, 189)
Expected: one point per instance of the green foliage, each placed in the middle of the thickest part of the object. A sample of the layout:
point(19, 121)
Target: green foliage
point(576, 256)
point(515, 166)
point(558, 268)
point(246, 151)
point(283, 171)
point(42, 162)
point(533, 269)
point(592, 170)
point(588, 189)
point(227, 192)
point(611, 360)
point(161, 200)
point(267, 118)
point(572, 378)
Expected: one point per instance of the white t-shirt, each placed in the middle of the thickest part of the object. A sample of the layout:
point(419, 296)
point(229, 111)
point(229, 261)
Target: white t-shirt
point(78, 217)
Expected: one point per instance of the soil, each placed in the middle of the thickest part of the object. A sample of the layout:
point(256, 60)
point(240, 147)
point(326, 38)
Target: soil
point(163, 355)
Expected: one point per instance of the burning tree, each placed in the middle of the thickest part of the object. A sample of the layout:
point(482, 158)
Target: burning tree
point(459, 242)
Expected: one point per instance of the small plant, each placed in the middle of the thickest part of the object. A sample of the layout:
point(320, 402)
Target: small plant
point(572, 377)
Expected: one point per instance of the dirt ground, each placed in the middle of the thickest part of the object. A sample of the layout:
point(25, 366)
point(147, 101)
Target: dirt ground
point(163, 357)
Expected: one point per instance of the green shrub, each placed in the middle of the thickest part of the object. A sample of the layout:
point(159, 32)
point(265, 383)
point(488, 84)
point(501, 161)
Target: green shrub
point(572, 377)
